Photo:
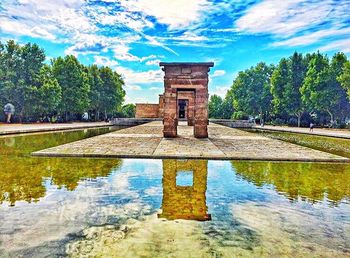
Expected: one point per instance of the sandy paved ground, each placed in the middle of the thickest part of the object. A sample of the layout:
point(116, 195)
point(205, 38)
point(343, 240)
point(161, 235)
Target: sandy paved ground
point(338, 133)
point(29, 128)
point(146, 141)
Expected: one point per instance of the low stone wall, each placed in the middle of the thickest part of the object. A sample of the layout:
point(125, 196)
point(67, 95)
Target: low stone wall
point(132, 121)
point(233, 123)
point(147, 110)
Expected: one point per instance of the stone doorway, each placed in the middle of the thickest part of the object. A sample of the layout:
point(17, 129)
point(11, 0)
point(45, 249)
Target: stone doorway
point(186, 96)
point(182, 107)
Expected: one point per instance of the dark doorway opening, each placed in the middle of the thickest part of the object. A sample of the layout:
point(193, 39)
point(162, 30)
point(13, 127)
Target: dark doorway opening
point(182, 108)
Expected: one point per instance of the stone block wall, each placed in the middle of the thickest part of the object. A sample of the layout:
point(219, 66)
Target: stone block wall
point(147, 111)
point(161, 106)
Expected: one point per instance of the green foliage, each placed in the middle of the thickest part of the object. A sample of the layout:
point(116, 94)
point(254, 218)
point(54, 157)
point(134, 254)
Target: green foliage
point(286, 82)
point(106, 92)
point(251, 90)
point(95, 95)
point(19, 67)
point(65, 88)
point(221, 108)
point(281, 85)
point(112, 90)
point(344, 78)
point(215, 106)
point(298, 85)
point(128, 110)
point(73, 80)
point(321, 91)
point(227, 105)
point(240, 115)
point(46, 95)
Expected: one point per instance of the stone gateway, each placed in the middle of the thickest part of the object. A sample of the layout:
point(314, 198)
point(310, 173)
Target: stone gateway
point(185, 97)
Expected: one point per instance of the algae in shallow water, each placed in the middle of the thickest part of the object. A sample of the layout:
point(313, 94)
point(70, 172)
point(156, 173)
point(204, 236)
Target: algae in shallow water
point(332, 145)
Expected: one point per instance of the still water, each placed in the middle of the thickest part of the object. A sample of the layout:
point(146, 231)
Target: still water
point(54, 207)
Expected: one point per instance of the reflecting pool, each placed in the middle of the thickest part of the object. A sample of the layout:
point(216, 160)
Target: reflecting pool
point(54, 207)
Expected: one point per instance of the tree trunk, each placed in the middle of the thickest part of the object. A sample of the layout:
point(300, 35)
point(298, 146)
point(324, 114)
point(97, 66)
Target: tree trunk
point(21, 117)
point(299, 117)
point(332, 118)
point(261, 118)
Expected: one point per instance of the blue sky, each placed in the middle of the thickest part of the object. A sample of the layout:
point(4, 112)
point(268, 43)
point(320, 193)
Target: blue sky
point(133, 36)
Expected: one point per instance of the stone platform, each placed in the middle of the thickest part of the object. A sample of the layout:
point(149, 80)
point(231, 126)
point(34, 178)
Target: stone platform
point(146, 141)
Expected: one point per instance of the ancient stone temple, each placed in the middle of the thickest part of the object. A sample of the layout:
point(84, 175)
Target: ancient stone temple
point(186, 97)
point(185, 201)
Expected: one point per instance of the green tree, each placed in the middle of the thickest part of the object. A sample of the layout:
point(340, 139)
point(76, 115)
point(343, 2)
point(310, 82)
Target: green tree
point(298, 70)
point(286, 82)
point(342, 108)
point(344, 78)
point(215, 106)
point(128, 110)
point(9, 73)
point(45, 96)
point(73, 80)
point(227, 105)
point(20, 67)
point(96, 94)
point(280, 85)
point(320, 90)
point(251, 91)
point(112, 92)
point(33, 58)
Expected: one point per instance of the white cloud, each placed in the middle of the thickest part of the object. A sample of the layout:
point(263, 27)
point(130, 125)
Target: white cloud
point(156, 88)
point(134, 77)
point(284, 18)
point(121, 52)
point(45, 19)
point(105, 16)
point(175, 14)
point(105, 61)
point(153, 62)
point(311, 37)
point(132, 100)
point(218, 73)
point(190, 36)
point(130, 76)
point(220, 91)
point(133, 87)
point(142, 59)
point(78, 23)
point(342, 45)
point(15, 27)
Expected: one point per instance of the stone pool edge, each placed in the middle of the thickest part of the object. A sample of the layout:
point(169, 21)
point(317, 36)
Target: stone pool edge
point(127, 156)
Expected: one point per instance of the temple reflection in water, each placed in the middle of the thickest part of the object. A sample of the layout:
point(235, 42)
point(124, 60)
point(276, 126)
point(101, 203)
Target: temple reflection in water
point(186, 199)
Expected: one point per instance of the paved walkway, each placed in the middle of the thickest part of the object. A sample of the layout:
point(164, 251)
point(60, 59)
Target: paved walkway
point(146, 141)
point(338, 133)
point(31, 128)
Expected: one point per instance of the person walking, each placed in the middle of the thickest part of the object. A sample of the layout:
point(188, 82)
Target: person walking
point(9, 110)
point(311, 127)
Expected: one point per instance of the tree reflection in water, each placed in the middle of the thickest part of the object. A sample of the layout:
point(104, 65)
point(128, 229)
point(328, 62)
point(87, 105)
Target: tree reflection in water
point(311, 182)
point(22, 177)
